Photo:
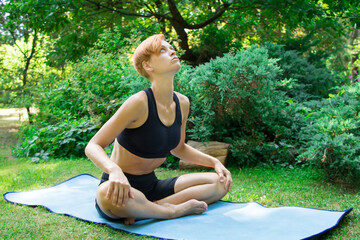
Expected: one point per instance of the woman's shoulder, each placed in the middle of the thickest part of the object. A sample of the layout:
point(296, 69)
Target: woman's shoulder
point(139, 96)
point(184, 103)
point(137, 100)
point(182, 98)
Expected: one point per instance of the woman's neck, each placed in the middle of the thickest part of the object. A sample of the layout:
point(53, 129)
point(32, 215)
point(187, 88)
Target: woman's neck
point(163, 90)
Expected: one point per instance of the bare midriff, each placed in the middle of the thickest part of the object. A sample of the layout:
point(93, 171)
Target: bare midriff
point(132, 164)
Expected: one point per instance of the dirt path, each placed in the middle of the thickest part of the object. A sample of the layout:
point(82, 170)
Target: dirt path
point(10, 120)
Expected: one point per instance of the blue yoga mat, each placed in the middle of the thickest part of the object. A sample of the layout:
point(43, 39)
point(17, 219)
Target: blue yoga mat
point(223, 220)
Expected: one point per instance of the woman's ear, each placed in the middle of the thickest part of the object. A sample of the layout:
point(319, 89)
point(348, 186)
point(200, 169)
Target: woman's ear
point(147, 67)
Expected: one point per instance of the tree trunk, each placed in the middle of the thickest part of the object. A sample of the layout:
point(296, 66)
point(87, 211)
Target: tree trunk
point(180, 31)
point(28, 59)
point(354, 55)
point(26, 69)
point(29, 115)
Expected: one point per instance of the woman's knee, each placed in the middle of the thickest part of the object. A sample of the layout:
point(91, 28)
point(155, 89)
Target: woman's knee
point(107, 206)
point(212, 180)
point(105, 202)
point(102, 191)
point(218, 190)
point(101, 198)
point(219, 185)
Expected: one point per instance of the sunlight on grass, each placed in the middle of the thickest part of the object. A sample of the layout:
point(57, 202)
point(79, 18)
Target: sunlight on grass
point(21, 175)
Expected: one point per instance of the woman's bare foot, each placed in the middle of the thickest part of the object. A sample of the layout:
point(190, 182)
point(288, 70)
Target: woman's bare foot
point(129, 221)
point(190, 207)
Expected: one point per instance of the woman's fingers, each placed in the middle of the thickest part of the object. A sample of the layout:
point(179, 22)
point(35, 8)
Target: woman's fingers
point(115, 194)
point(109, 191)
point(119, 189)
point(131, 195)
point(125, 195)
point(228, 182)
point(224, 176)
point(221, 175)
point(119, 193)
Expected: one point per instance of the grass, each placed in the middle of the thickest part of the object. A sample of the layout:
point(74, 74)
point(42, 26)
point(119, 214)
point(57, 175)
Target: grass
point(271, 187)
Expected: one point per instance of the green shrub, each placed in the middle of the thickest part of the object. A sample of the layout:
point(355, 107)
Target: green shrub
point(250, 98)
point(236, 99)
point(103, 83)
point(310, 81)
point(97, 87)
point(332, 135)
point(65, 139)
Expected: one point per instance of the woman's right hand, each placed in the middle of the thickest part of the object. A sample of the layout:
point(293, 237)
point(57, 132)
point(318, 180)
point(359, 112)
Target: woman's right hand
point(119, 190)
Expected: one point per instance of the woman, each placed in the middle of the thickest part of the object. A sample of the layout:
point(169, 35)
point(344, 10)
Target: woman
point(148, 126)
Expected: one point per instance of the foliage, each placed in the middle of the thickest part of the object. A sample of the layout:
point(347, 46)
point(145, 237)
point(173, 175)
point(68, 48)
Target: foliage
point(250, 98)
point(70, 113)
point(236, 98)
point(308, 80)
point(76, 25)
point(98, 85)
point(65, 139)
point(73, 26)
point(101, 84)
point(20, 18)
point(171, 162)
point(23, 67)
point(332, 135)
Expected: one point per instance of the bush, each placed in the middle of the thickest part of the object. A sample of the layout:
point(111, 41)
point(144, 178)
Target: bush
point(97, 87)
point(61, 140)
point(309, 81)
point(332, 135)
point(236, 99)
point(70, 114)
point(253, 99)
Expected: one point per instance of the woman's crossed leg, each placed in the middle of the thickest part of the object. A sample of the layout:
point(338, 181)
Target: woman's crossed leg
point(192, 194)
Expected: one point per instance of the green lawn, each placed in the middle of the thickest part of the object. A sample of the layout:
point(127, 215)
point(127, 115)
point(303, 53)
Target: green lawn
point(271, 187)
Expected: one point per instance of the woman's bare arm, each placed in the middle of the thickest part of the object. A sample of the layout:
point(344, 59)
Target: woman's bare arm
point(190, 154)
point(130, 114)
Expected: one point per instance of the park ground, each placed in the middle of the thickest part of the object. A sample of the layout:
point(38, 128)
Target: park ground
point(272, 187)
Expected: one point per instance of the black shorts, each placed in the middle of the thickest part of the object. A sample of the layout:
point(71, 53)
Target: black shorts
point(153, 188)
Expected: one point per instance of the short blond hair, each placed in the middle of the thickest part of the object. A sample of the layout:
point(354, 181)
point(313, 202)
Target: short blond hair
point(151, 45)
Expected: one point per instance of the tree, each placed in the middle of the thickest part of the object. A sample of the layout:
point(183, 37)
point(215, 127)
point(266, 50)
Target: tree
point(23, 54)
point(238, 20)
point(24, 71)
point(202, 29)
point(13, 32)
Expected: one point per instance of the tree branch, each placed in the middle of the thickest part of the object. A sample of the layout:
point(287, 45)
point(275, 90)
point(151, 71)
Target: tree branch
point(99, 5)
point(14, 39)
point(28, 59)
point(219, 12)
point(178, 18)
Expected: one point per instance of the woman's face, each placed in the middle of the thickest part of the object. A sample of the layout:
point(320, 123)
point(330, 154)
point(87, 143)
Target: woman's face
point(166, 61)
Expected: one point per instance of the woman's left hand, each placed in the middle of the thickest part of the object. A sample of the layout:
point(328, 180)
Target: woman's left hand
point(224, 174)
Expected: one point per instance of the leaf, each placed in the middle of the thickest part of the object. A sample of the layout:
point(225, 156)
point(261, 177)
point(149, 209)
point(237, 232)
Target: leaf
point(307, 116)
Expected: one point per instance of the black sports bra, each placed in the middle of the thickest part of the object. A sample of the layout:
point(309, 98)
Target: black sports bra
point(153, 139)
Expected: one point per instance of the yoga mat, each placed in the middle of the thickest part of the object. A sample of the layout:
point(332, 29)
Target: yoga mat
point(223, 220)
